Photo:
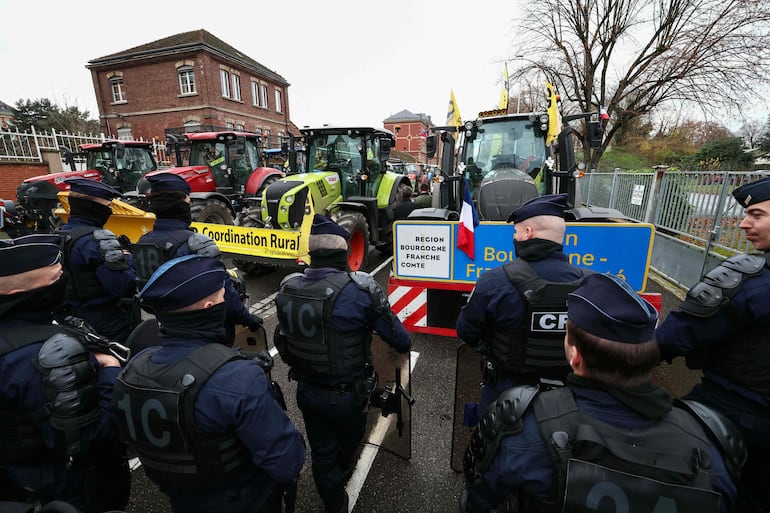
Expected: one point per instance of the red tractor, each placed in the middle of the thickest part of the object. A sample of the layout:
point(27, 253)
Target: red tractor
point(224, 169)
point(117, 163)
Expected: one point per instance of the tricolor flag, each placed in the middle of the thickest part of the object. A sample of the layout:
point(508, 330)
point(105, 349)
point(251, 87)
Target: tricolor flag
point(453, 113)
point(469, 220)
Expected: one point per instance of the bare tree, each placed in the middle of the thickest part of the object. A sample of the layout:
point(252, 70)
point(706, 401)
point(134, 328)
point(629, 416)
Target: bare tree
point(635, 56)
point(751, 131)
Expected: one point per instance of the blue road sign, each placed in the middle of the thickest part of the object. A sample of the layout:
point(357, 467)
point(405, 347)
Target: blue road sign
point(428, 250)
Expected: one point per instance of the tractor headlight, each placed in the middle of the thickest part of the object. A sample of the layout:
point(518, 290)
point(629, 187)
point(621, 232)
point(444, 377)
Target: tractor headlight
point(289, 199)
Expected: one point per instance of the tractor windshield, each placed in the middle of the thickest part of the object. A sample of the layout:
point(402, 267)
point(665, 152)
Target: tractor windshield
point(122, 173)
point(509, 144)
point(338, 152)
point(231, 166)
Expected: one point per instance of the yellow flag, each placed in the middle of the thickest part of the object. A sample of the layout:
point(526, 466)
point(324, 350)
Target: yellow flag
point(554, 116)
point(453, 113)
point(504, 93)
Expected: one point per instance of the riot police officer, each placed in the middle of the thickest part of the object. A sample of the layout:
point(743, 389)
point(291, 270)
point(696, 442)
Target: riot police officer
point(610, 436)
point(326, 316)
point(723, 327)
point(102, 281)
point(516, 313)
point(171, 237)
point(56, 430)
point(218, 440)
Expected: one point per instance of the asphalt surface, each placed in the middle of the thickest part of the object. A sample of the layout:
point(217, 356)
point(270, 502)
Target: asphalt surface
point(386, 480)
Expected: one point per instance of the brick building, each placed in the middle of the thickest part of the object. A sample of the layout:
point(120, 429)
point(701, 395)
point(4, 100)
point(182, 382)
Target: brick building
point(191, 82)
point(410, 131)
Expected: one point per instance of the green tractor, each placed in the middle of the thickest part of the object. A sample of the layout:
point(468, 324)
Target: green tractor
point(344, 177)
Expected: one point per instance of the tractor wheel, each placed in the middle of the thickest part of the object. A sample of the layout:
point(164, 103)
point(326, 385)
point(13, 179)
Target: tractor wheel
point(251, 218)
point(210, 211)
point(268, 181)
point(355, 224)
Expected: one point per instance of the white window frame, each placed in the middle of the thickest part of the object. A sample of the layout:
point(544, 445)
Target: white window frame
point(278, 101)
point(236, 91)
point(263, 95)
point(192, 126)
point(124, 133)
point(254, 93)
point(186, 76)
point(224, 77)
point(118, 90)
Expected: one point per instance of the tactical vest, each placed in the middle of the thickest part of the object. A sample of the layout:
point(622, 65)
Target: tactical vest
point(155, 410)
point(149, 255)
point(742, 358)
point(82, 283)
point(69, 390)
point(665, 467)
point(313, 346)
point(535, 349)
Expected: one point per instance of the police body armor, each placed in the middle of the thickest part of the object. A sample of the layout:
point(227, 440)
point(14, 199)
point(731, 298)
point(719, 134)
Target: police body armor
point(69, 391)
point(536, 348)
point(743, 357)
point(82, 284)
point(663, 467)
point(311, 344)
point(149, 255)
point(175, 453)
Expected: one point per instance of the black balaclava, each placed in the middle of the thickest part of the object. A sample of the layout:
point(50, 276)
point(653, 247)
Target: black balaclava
point(336, 258)
point(44, 300)
point(87, 209)
point(207, 323)
point(170, 205)
point(535, 249)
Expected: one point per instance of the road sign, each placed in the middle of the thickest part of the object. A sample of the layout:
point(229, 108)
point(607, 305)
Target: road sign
point(427, 250)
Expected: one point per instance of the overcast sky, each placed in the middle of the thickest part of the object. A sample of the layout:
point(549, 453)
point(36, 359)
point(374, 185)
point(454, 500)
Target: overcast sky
point(348, 62)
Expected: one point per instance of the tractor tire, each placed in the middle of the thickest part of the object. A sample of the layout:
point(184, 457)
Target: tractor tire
point(251, 218)
point(264, 186)
point(358, 246)
point(210, 211)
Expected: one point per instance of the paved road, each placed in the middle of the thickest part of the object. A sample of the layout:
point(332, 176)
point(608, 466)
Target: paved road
point(384, 482)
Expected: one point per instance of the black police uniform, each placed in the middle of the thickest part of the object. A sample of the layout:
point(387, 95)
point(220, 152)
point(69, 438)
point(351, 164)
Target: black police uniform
point(219, 440)
point(57, 435)
point(516, 314)
point(591, 445)
point(326, 318)
point(102, 280)
point(172, 237)
point(723, 327)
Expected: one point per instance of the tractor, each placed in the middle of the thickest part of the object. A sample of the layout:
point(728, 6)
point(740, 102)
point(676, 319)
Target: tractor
point(224, 169)
point(345, 178)
point(507, 159)
point(117, 163)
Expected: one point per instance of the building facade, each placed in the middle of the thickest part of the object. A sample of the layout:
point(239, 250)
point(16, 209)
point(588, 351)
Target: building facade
point(410, 131)
point(189, 82)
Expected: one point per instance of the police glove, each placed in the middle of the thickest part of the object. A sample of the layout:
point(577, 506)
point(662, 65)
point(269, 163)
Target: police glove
point(264, 360)
point(255, 321)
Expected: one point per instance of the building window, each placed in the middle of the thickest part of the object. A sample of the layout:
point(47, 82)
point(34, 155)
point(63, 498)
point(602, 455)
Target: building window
point(236, 87)
point(240, 127)
point(118, 93)
point(278, 102)
point(186, 80)
point(124, 133)
point(229, 125)
point(263, 96)
point(255, 94)
point(224, 77)
point(192, 126)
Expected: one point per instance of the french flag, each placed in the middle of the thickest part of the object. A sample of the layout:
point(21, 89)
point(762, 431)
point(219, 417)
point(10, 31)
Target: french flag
point(469, 220)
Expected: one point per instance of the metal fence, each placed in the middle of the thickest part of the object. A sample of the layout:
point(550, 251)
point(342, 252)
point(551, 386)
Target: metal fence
point(696, 218)
point(16, 146)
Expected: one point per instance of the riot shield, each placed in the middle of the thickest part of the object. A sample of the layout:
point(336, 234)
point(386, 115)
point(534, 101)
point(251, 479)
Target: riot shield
point(389, 418)
point(468, 382)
